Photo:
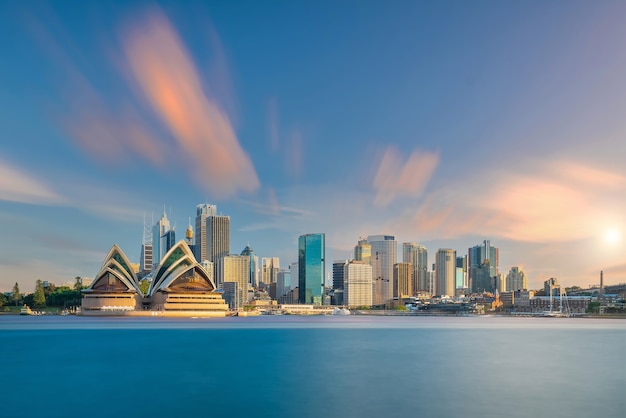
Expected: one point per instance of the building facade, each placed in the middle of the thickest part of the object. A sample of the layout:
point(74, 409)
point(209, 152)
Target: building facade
point(384, 256)
point(402, 280)
point(236, 268)
point(311, 268)
point(202, 212)
point(357, 284)
point(482, 264)
point(445, 272)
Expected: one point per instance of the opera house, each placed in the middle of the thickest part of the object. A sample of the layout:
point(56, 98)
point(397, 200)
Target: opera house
point(180, 287)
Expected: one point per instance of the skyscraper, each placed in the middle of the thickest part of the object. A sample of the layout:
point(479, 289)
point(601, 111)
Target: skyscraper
point(357, 284)
point(236, 268)
point(254, 265)
point(269, 270)
point(217, 240)
point(402, 280)
point(202, 212)
point(163, 239)
point(283, 283)
point(417, 255)
point(363, 252)
point(482, 265)
point(445, 272)
point(516, 280)
point(384, 256)
point(338, 271)
point(311, 266)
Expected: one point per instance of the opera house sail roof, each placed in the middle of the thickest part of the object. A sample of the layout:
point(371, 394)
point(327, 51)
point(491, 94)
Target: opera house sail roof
point(180, 272)
point(115, 275)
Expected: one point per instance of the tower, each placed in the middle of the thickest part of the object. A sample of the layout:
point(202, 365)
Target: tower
point(417, 255)
point(482, 265)
point(311, 266)
point(217, 240)
point(202, 211)
point(402, 280)
point(254, 265)
point(163, 238)
point(384, 256)
point(445, 271)
point(363, 252)
point(146, 260)
point(357, 284)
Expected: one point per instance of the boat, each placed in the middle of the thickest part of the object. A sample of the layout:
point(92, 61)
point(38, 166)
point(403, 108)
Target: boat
point(341, 311)
point(26, 310)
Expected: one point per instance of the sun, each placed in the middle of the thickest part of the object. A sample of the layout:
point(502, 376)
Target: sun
point(612, 236)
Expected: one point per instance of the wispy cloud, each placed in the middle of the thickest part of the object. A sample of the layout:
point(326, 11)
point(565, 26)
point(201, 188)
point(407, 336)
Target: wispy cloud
point(18, 186)
point(165, 74)
point(399, 178)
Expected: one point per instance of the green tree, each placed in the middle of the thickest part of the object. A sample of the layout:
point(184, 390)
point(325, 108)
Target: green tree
point(3, 299)
point(143, 286)
point(16, 295)
point(39, 297)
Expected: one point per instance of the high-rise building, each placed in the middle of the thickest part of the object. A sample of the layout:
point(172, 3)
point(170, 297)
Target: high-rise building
point(254, 266)
point(363, 252)
point(146, 258)
point(461, 263)
point(482, 265)
point(417, 255)
point(445, 272)
point(338, 270)
point(516, 280)
point(402, 280)
point(236, 268)
point(283, 283)
point(217, 240)
point(202, 212)
point(311, 268)
point(357, 284)
point(384, 256)
point(163, 239)
point(269, 270)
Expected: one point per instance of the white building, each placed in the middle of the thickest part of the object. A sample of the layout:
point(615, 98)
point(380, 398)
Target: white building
point(357, 284)
point(445, 272)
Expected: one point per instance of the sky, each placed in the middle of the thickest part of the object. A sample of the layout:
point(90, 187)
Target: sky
point(440, 122)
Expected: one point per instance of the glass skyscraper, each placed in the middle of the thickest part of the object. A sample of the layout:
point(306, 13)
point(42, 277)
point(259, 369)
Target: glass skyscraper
point(311, 268)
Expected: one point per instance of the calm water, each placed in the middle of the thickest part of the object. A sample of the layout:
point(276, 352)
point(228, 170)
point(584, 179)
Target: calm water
point(312, 367)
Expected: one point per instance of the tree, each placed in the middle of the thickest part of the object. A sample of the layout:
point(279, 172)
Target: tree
point(16, 296)
point(144, 285)
point(78, 284)
point(39, 298)
point(3, 299)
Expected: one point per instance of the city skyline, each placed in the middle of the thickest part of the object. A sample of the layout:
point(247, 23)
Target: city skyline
point(442, 124)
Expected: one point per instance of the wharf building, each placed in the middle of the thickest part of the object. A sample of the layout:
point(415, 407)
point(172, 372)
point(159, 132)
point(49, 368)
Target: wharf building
point(384, 256)
point(180, 287)
point(312, 267)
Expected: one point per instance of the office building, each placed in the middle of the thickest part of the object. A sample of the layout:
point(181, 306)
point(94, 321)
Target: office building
point(236, 268)
point(445, 272)
point(384, 256)
point(202, 212)
point(269, 270)
point(311, 268)
point(482, 264)
point(402, 280)
point(283, 283)
point(163, 239)
point(254, 266)
point(338, 271)
point(417, 255)
point(516, 280)
point(357, 284)
point(363, 252)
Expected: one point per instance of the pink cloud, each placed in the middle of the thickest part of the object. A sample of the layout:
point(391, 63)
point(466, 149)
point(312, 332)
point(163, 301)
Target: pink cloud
point(396, 177)
point(165, 75)
point(19, 186)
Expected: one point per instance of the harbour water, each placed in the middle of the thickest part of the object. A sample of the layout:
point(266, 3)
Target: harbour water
point(334, 366)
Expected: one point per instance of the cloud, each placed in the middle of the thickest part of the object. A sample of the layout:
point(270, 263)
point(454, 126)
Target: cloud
point(397, 178)
point(165, 74)
point(545, 202)
point(18, 186)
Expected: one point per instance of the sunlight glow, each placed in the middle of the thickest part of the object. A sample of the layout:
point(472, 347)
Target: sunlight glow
point(612, 236)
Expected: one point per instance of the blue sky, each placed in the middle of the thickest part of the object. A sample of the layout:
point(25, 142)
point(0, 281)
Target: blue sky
point(444, 123)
